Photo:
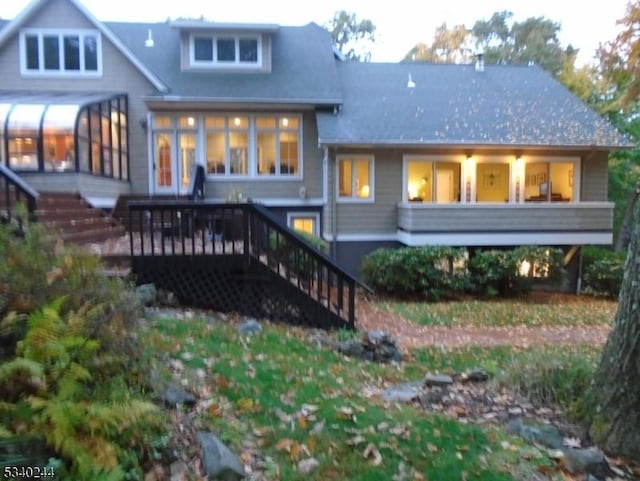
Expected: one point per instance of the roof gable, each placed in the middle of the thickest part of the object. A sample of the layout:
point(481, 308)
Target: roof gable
point(303, 69)
point(11, 28)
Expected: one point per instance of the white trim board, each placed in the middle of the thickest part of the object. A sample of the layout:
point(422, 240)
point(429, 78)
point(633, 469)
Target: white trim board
point(506, 239)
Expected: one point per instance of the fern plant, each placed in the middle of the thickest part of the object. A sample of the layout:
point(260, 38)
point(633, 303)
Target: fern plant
point(47, 393)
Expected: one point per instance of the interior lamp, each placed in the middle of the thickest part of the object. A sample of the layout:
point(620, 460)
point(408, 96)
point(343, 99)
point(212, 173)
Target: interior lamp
point(365, 191)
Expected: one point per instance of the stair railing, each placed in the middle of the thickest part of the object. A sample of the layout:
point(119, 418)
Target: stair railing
point(204, 228)
point(14, 192)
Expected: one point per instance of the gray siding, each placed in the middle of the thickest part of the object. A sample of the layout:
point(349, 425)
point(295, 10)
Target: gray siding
point(265, 189)
point(558, 217)
point(118, 75)
point(379, 217)
point(595, 177)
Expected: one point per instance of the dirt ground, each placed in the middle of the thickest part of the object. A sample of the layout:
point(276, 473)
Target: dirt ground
point(411, 335)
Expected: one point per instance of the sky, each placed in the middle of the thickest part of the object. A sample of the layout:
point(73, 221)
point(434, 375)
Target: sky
point(399, 24)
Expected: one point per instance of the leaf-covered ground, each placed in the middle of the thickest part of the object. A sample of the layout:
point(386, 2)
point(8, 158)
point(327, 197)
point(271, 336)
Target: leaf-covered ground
point(293, 410)
point(535, 310)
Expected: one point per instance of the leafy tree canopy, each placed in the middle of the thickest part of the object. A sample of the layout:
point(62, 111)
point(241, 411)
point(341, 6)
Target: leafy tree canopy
point(351, 36)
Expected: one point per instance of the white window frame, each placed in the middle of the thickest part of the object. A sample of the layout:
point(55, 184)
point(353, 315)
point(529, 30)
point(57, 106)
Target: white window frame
point(291, 216)
point(433, 159)
point(577, 171)
point(353, 199)
point(225, 64)
point(40, 33)
point(252, 155)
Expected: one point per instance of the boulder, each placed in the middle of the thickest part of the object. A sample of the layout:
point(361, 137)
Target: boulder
point(477, 375)
point(174, 395)
point(217, 459)
point(438, 380)
point(146, 294)
point(543, 434)
point(402, 393)
point(249, 327)
point(589, 460)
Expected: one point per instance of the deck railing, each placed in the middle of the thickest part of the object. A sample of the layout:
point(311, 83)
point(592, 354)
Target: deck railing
point(14, 192)
point(266, 252)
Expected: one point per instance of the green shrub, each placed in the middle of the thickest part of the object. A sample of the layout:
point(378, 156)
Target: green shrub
point(443, 272)
point(47, 393)
point(499, 272)
point(603, 271)
point(71, 371)
point(298, 263)
point(433, 272)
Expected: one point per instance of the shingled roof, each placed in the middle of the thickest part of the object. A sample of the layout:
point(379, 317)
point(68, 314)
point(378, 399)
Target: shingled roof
point(457, 105)
point(303, 69)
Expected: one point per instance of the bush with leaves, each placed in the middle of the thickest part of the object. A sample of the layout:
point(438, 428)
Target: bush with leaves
point(49, 392)
point(436, 273)
point(603, 271)
point(71, 375)
point(499, 272)
point(431, 272)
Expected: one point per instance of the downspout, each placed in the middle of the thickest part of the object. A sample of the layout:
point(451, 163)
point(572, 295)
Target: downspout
point(334, 215)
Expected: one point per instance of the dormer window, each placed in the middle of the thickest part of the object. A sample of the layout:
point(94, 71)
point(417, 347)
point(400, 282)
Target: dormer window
point(220, 51)
point(60, 52)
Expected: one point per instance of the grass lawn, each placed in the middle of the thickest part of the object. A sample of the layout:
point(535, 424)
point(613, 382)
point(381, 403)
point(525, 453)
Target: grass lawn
point(537, 309)
point(276, 398)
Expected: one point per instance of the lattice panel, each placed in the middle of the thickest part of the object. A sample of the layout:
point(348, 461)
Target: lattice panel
point(228, 284)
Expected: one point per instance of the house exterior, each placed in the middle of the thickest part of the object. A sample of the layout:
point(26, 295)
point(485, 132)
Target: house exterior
point(362, 154)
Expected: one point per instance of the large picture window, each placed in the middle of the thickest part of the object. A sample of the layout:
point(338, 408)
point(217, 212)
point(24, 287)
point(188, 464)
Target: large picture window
point(278, 146)
point(549, 181)
point(262, 145)
point(492, 182)
point(432, 180)
point(65, 52)
point(355, 178)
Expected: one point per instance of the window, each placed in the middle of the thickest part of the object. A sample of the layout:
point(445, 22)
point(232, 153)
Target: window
point(278, 146)
point(307, 222)
point(492, 182)
point(355, 178)
point(227, 145)
point(225, 51)
point(47, 51)
point(241, 145)
point(549, 181)
point(432, 180)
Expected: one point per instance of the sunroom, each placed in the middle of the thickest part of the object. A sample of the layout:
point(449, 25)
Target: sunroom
point(63, 132)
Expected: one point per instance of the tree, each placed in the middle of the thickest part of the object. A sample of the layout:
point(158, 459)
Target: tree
point(533, 40)
point(448, 46)
point(351, 36)
point(615, 424)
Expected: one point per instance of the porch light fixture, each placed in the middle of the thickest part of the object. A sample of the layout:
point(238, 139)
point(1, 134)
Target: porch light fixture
point(285, 122)
point(236, 121)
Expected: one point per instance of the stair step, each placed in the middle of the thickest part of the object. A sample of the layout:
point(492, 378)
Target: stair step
point(78, 225)
point(94, 235)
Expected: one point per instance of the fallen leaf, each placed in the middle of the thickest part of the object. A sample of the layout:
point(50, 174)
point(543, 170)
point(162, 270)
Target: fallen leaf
point(371, 452)
point(356, 440)
point(572, 442)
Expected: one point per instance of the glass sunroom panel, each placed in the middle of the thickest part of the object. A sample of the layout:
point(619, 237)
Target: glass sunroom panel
point(23, 131)
point(58, 132)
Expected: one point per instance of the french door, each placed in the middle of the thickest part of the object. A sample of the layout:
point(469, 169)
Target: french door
point(174, 155)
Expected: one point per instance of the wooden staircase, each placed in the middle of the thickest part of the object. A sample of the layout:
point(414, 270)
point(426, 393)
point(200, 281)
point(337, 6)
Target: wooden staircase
point(75, 220)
